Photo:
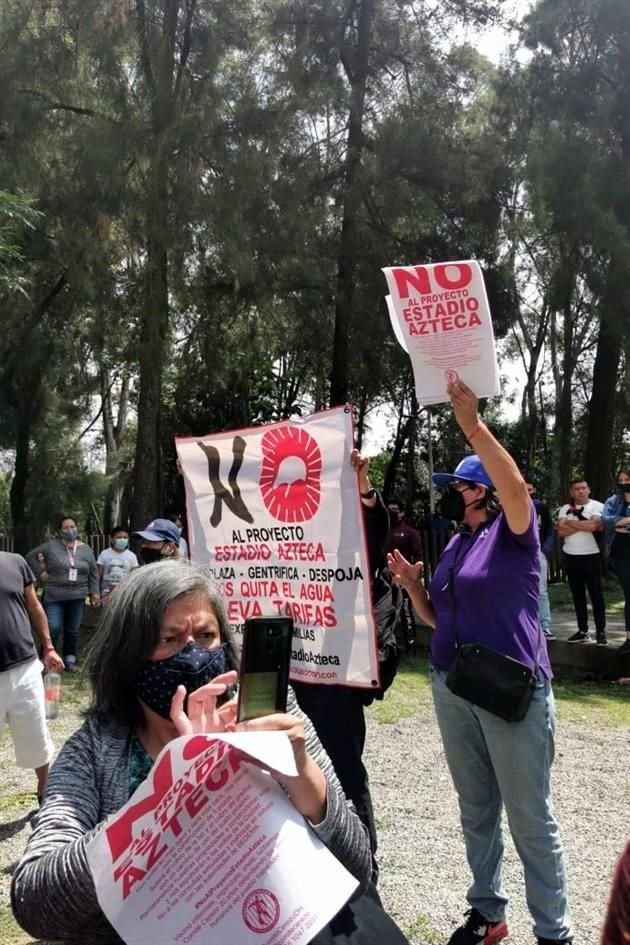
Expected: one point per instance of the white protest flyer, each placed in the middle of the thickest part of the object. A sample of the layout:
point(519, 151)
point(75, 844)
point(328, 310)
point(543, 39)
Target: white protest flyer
point(274, 514)
point(210, 851)
point(444, 319)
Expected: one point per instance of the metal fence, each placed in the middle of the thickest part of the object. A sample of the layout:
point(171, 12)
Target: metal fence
point(433, 543)
point(96, 542)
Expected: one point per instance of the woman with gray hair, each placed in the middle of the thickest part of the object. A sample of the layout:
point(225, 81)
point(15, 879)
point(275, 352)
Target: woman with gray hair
point(164, 639)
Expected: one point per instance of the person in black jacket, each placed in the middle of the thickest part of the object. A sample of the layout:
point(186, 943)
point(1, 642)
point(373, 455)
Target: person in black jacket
point(338, 712)
point(409, 542)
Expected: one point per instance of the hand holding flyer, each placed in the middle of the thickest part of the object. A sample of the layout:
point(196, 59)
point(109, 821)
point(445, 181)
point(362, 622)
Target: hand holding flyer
point(444, 323)
point(202, 804)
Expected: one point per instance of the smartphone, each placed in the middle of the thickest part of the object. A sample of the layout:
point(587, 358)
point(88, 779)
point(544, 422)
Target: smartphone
point(265, 660)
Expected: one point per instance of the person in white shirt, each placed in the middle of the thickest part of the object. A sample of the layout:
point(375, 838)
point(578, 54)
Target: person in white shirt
point(115, 563)
point(579, 522)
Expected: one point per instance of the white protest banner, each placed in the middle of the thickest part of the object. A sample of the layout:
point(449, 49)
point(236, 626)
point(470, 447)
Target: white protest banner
point(274, 514)
point(210, 851)
point(444, 317)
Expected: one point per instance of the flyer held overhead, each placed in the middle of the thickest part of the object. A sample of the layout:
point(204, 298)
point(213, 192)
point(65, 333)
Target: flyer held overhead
point(441, 317)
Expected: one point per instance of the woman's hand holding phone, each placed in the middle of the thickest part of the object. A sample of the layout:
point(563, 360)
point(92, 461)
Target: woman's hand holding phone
point(202, 716)
point(308, 790)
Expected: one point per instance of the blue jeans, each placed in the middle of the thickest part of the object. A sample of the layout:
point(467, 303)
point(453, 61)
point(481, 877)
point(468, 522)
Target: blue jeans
point(64, 616)
point(544, 610)
point(496, 764)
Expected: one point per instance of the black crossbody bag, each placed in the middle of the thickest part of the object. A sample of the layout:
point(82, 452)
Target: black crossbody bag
point(491, 680)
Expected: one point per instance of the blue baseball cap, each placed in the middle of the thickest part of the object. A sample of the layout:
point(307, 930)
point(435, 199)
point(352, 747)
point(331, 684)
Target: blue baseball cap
point(470, 469)
point(160, 529)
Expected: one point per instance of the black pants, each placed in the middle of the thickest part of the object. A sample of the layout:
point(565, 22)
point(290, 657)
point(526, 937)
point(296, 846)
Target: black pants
point(584, 572)
point(621, 564)
point(408, 623)
point(337, 712)
point(362, 921)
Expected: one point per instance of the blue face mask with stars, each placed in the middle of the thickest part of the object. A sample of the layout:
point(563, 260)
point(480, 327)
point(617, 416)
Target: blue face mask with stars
point(192, 667)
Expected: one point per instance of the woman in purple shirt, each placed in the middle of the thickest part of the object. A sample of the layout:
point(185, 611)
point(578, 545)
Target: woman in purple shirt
point(485, 590)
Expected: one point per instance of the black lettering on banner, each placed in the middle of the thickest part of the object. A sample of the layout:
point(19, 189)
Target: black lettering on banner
point(233, 500)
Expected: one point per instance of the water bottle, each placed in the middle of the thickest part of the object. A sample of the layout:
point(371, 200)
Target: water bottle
point(52, 687)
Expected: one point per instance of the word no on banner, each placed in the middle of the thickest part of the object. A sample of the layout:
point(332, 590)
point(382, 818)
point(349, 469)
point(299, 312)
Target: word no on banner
point(274, 515)
point(443, 320)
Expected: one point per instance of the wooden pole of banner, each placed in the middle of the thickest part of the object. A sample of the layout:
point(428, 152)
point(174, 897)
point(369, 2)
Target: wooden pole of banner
point(430, 460)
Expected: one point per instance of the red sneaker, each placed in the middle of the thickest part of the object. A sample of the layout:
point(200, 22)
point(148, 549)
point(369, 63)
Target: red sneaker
point(479, 931)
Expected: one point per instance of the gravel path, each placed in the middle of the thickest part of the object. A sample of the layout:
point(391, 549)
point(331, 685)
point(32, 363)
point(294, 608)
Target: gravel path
point(424, 875)
point(423, 871)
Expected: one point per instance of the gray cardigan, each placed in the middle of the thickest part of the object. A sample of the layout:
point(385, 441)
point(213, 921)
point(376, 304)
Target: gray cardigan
point(57, 564)
point(52, 892)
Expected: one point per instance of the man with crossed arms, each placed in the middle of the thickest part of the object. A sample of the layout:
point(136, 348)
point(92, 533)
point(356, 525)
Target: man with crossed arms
point(579, 521)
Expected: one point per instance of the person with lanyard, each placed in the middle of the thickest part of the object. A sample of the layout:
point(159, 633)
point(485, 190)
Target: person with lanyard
point(616, 521)
point(66, 569)
point(483, 604)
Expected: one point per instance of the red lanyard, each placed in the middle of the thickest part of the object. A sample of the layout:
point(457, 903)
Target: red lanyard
point(72, 553)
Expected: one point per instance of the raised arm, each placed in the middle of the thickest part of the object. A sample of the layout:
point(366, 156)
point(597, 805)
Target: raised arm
point(505, 474)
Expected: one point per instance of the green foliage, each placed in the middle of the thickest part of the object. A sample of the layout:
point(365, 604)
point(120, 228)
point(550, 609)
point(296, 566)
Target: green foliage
point(598, 703)
point(16, 215)
point(182, 266)
point(5, 513)
point(409, 694)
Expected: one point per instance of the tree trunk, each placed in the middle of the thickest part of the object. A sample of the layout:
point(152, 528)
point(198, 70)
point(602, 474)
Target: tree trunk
point(357, 73)
point(411, 455)
point(530, 409)
point(392, 467)
point(114, 435)
point(164, 66)
point(563, 373)
point(598, 457)
point(17, 496)
point(147, 492)
point(563, 438)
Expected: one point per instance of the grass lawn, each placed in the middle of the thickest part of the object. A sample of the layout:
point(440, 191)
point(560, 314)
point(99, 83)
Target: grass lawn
point(598, 703)
point(560, 597)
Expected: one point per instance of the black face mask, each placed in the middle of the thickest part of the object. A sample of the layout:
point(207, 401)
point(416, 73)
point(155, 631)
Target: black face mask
point(149, 555)
point(623, 487)
point(192, 667)
point(453, 505)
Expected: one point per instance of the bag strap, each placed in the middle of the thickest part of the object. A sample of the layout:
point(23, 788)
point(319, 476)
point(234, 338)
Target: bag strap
point(450, 584)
